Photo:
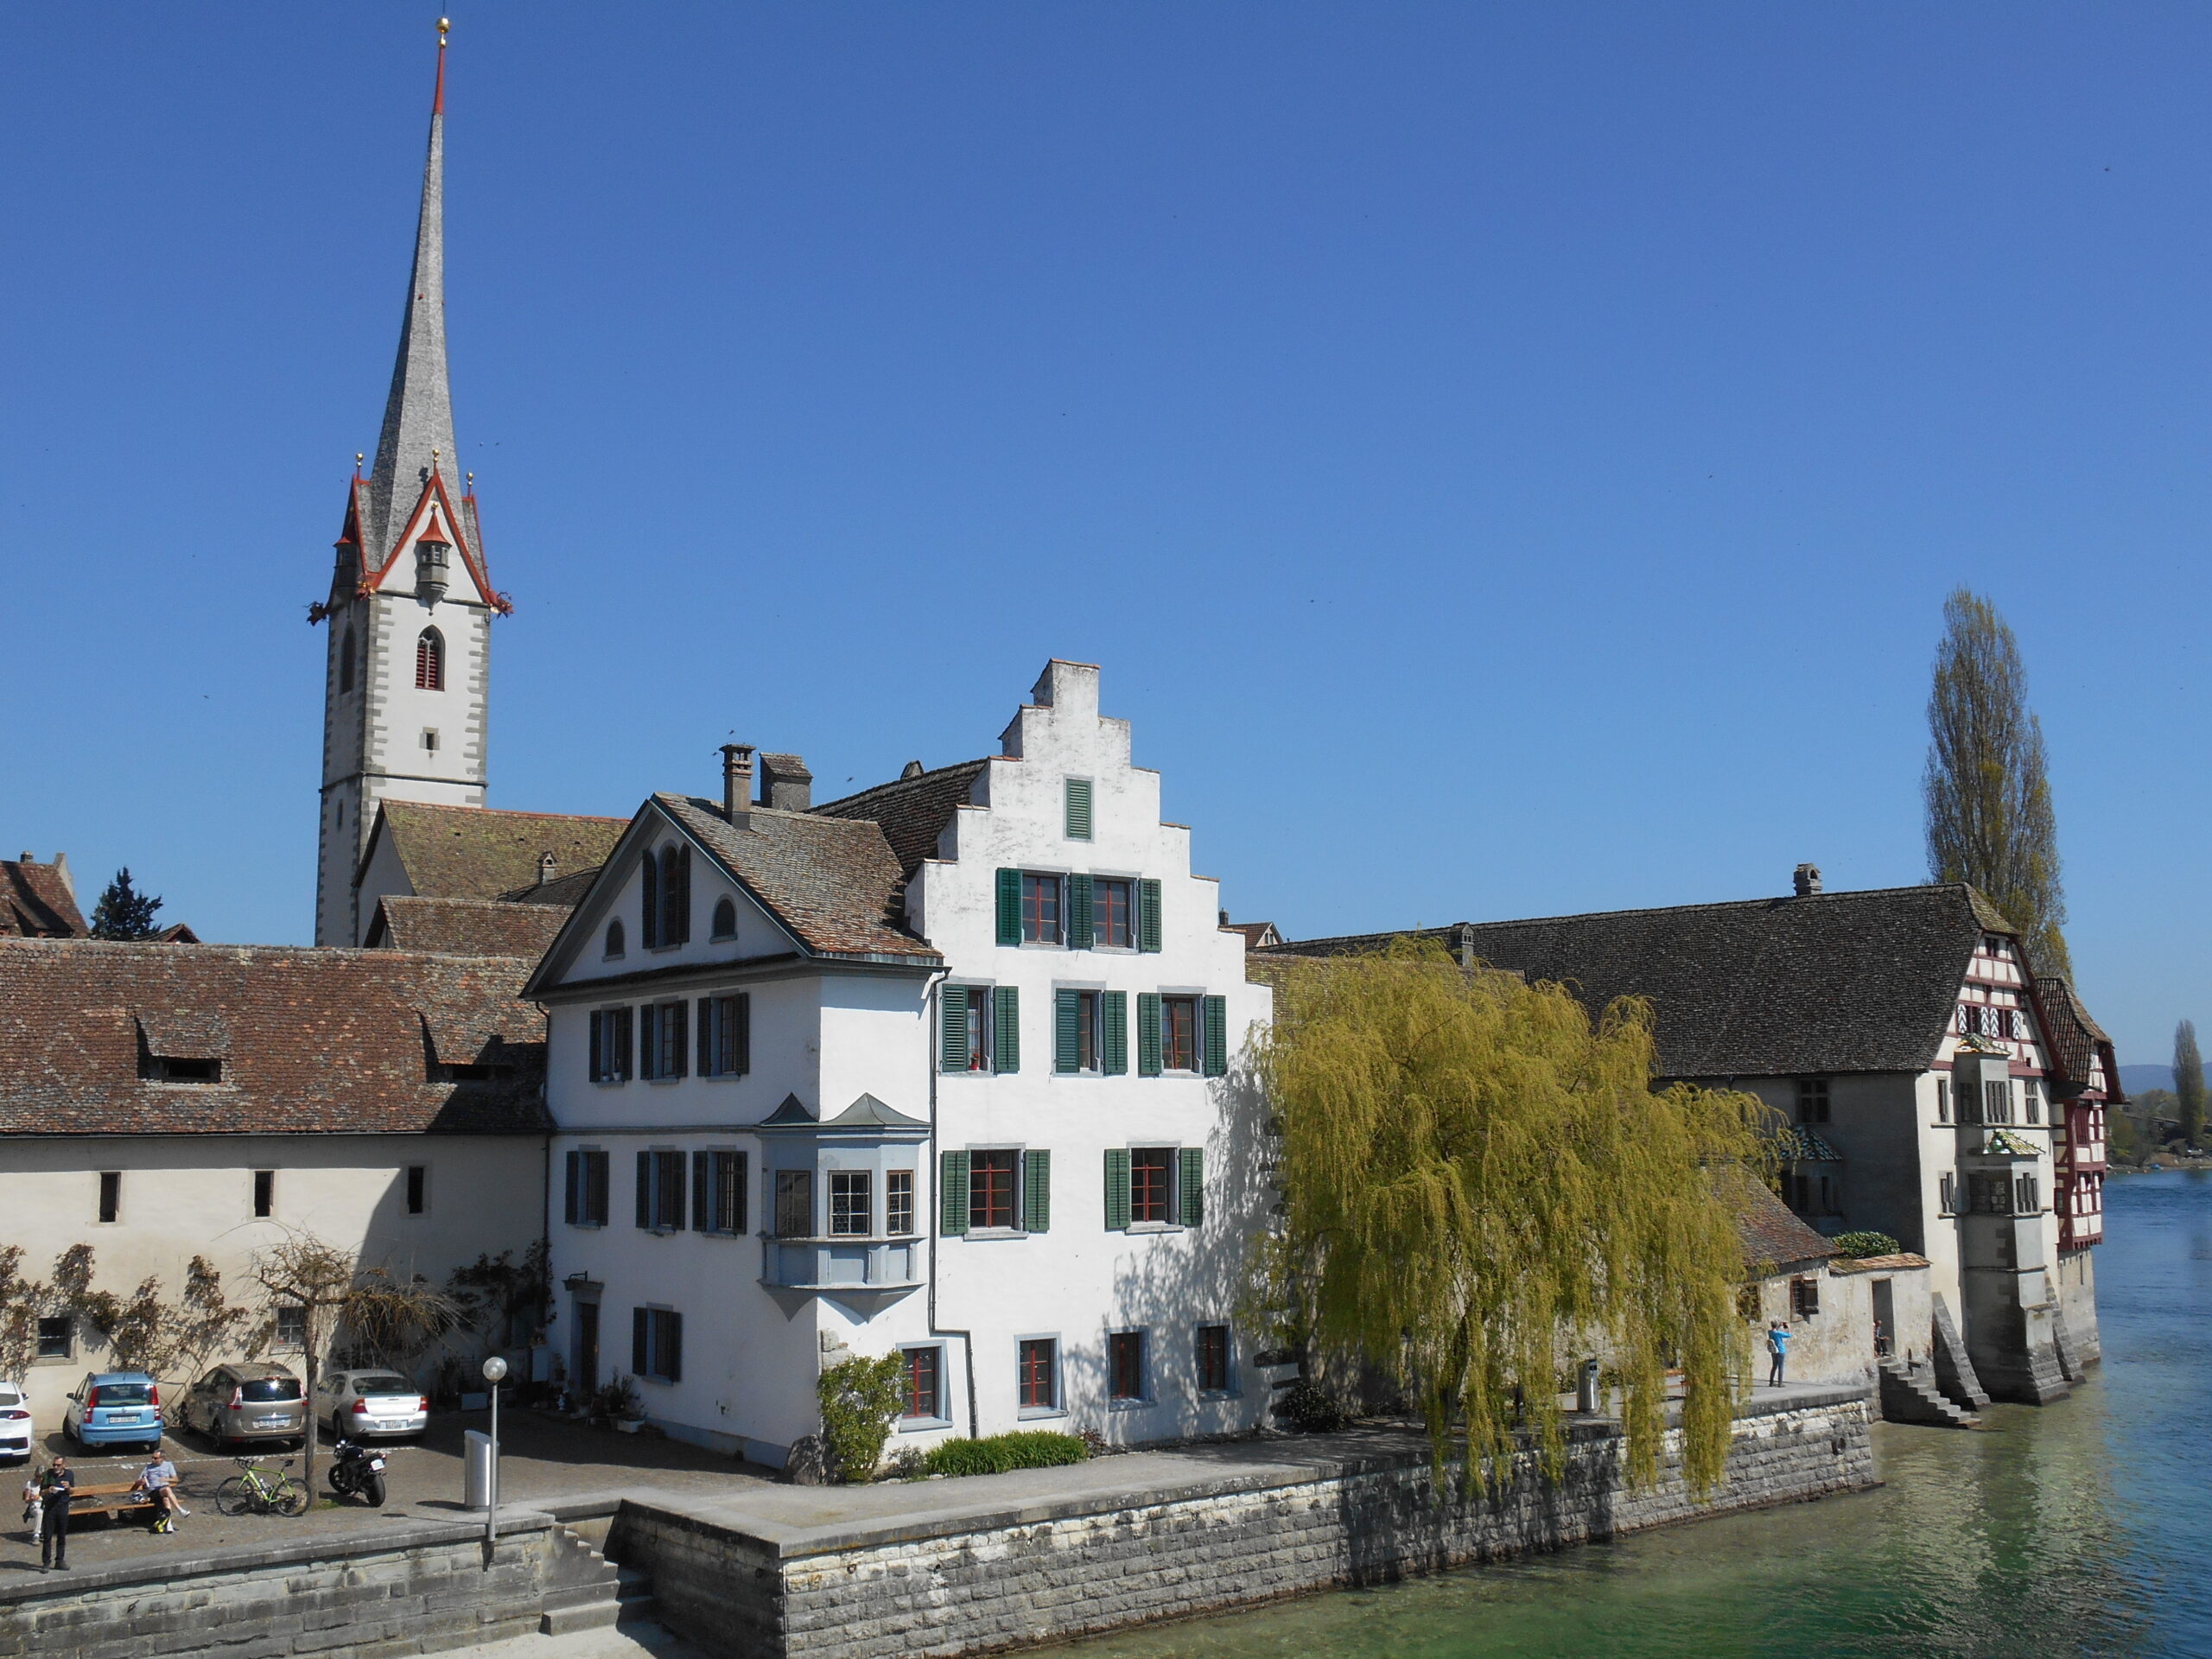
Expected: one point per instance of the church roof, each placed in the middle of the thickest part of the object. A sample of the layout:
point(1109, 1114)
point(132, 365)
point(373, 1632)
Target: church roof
point(465, 927)
point(482, 852)
point(1826, 982)
point(37, 900)
point(913, 812)
point(308, 1041)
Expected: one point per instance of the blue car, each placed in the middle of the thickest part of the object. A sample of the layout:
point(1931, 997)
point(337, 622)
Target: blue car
point(115, 1408)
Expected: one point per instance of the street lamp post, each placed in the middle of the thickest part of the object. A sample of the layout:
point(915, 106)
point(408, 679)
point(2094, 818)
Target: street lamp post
point(495, 1369)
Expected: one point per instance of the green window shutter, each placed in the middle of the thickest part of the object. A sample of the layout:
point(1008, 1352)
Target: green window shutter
point(703, 1188)
point(574, 1188)
point(952, 1193)
point(1036, 1191)
point(740, 1061)
point(1216, 1036)
point(1078, 808)
point(1147, 1033)
point(952, 1021)
point(649, 918)
point(1065, 1057)
point(639, 1316)
point(1081, 934)
point(706, 1037)
point(1009, 907)
point(1115, 1051)
point(1006, 1029)
point(1147, 915)
point(1191, 1184)
point(1117, 1189)
point(645, 1189)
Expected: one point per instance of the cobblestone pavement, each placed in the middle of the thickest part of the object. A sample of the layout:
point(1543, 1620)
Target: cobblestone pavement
point(541, 1459)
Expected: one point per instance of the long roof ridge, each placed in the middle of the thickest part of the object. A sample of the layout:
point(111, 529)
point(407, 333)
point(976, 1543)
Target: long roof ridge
point(505, 812)
point(902, 782)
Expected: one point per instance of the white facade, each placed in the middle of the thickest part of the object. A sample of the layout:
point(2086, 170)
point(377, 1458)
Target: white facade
point(1103, 1211)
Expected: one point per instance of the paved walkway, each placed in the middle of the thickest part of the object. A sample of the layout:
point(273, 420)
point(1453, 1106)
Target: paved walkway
point(632, 1642)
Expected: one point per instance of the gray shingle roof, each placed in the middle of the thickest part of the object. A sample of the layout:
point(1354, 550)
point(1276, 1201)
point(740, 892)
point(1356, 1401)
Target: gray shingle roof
point(482, 852)
point(914, 811)
point(1773, 1236)
point(1829, 982)
point(466, 927)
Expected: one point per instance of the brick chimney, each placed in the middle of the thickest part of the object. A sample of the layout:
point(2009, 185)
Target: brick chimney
point(737, 785)
point(1806, 879)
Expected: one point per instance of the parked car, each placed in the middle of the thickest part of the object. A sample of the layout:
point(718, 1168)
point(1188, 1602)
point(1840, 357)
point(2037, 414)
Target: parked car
point(371, 1405)
point(16, 1436)
point(115, 1408)
point(247, 1401)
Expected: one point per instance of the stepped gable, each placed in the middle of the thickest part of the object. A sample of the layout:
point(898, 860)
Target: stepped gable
point(466, 927)
point(1773, 1238)
point(833, 882)
point(37, 900)
point(304, 1041)
point(1825, 982)
point(913, 812)
point(482, 852)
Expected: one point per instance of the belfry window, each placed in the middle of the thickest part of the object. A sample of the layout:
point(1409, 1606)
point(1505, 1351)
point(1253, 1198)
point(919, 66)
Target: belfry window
point(346, 661)
point(430, 661)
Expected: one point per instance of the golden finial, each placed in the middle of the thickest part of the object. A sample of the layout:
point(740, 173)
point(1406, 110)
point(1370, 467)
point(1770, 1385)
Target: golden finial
point(444, 23)
point(472, 481)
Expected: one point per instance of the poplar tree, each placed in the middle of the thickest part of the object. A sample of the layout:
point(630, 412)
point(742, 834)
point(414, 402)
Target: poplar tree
point(1987, 791)
point(2189, 1084)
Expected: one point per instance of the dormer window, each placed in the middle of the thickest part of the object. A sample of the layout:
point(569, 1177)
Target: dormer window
point(170, 1069)
point(725, 919)
point(430, 661)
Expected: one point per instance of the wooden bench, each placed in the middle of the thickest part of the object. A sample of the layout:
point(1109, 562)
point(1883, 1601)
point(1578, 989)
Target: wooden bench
point(114, 1501)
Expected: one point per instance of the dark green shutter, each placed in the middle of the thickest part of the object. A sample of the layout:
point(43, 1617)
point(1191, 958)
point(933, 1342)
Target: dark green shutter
point(1190, 1186)
point(740, 1060)
point(622, 1045)
point(1006, 1029)
point(1148, 915)
point(676, 1042)
point(681, 899)
point(650, 932)
point(639, 1316)
point(1036, 1191)
point(952, 1044)
point(574, 1188)
point(1216, 1054)
point(1078, 819)
point(645, 1189)
point(1114, 1056)
point(1009, 907)
point(1117, 1189)
point(1066, 1057)
point(1147, 1033)
point(1080, 931)
point(672, 1361)
point(702, 1190)
point(952, 1193)
point(598, 1045)
point(707, 1036)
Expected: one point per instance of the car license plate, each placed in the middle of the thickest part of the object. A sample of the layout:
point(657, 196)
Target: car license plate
point(270, 1422)
point(377, 1463)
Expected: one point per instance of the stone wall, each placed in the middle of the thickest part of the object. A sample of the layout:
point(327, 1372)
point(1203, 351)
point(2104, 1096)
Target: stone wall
point(1074, 1569)
point(410, 1587)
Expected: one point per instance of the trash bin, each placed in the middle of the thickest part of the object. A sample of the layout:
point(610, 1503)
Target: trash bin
point(476, 1468)
point(1586, 1393)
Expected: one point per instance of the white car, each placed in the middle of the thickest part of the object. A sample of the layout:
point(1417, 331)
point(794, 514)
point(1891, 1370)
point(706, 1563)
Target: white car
point(371, 1405)
point(16, 1437)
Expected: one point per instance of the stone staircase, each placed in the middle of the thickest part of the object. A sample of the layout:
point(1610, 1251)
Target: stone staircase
point(584, 1591)
point(1909, 1395)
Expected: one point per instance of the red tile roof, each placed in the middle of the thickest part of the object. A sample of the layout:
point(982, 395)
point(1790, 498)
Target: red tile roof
point(37, 902)
point(465, 927)
point(479, 852)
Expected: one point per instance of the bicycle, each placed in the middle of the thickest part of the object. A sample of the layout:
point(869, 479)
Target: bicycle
point(260, 1491)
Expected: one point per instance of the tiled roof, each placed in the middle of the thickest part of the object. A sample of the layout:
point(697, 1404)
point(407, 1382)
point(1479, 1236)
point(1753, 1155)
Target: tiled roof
point(1257, 935)
point(312, 1041)
point(2073, 1039)
point(1902, 1260)
point(833, 882)
point(466, 927)
point(1829, 982)
point(1773, 1238)
point(914, 811)
point(1800, 1145)
point(478, 852)
point(35, 902)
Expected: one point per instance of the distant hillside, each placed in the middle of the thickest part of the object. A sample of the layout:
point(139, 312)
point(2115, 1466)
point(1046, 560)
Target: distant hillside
point(2136, 1078)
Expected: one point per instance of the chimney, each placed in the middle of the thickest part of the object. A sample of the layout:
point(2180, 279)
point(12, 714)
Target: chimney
point(1806, 879)
point(913, 770)
point(546, 865)
point(785, 784)
point(737, 785)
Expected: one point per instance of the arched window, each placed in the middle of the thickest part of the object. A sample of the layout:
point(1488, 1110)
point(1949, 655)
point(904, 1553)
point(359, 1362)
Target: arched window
point(614, 938)
point(346, 661)
point(430, 662)
point(674, 895)
point(725, 919)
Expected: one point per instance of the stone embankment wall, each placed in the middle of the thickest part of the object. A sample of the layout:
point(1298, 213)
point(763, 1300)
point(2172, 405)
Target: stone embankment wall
point(413, 1588)
point(1059, 1571)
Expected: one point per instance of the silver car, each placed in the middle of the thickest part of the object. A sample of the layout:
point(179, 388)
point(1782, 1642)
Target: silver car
point(371, 1405)
point(247, 1401)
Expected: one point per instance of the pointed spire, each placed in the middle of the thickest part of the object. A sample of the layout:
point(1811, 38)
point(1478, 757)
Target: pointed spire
point(418, 415)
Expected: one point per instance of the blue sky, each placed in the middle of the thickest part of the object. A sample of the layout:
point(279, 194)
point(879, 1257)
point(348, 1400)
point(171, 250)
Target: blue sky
point(1507, 461)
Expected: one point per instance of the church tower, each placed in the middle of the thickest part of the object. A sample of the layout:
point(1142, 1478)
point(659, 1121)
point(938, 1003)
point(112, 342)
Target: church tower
point(410, 605)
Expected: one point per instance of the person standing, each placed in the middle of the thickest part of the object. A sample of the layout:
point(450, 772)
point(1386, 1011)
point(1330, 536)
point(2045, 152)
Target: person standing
point(1777, 1347)
point(56, 1487)
point(32, 1509)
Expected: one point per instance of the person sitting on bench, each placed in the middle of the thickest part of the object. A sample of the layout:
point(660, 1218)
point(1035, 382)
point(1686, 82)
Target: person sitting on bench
point(158, 1482)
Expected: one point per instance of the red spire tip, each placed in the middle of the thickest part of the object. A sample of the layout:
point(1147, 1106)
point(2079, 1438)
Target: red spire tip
point(438, 96)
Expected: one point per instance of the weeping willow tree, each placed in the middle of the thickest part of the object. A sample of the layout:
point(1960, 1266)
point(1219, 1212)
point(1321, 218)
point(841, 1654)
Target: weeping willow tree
point(1481, 1187)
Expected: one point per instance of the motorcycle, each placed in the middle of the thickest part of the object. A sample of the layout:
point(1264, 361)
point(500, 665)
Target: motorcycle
point(356, 1472)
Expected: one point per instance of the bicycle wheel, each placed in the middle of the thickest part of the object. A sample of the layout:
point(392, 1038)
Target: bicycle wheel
point(235, 1495)
point(289, 1497)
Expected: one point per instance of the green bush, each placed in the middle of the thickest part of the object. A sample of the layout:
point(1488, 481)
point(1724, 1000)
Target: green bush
point(1310, 1409)
point(859, 1398)
point(996, 1453)
point(1865, 1244)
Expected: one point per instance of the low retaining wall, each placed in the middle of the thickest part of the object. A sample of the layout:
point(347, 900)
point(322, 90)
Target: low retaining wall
point(955, 1582)
point(416, 1587)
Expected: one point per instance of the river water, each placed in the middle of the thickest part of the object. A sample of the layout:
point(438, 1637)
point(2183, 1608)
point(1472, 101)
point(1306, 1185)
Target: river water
point(2083, 1527)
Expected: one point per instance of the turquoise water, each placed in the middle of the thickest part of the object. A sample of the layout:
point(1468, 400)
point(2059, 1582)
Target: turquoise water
point(2085, 1528)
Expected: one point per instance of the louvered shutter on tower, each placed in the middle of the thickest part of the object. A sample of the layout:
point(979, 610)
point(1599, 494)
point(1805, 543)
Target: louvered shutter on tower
point(1036, 1191)
point(1066, 1059)
point(952, 1193)
point(1114, 1055)
point(1148, 915)
point(1081, 934)
point(1191, 1185)
point(1217, 1053)
point(1009, 907)
point(1117, 1189)
point(1147, 1033)
point(1006, 1029)
point(952, 1025)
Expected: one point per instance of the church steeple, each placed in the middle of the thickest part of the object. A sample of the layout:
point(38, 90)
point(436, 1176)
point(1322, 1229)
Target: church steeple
point(418, 415)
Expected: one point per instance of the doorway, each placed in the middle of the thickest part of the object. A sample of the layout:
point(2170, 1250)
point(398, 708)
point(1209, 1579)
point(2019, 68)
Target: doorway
point(1886, 1319)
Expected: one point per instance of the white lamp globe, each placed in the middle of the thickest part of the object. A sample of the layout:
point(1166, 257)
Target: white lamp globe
point(494, 1368)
